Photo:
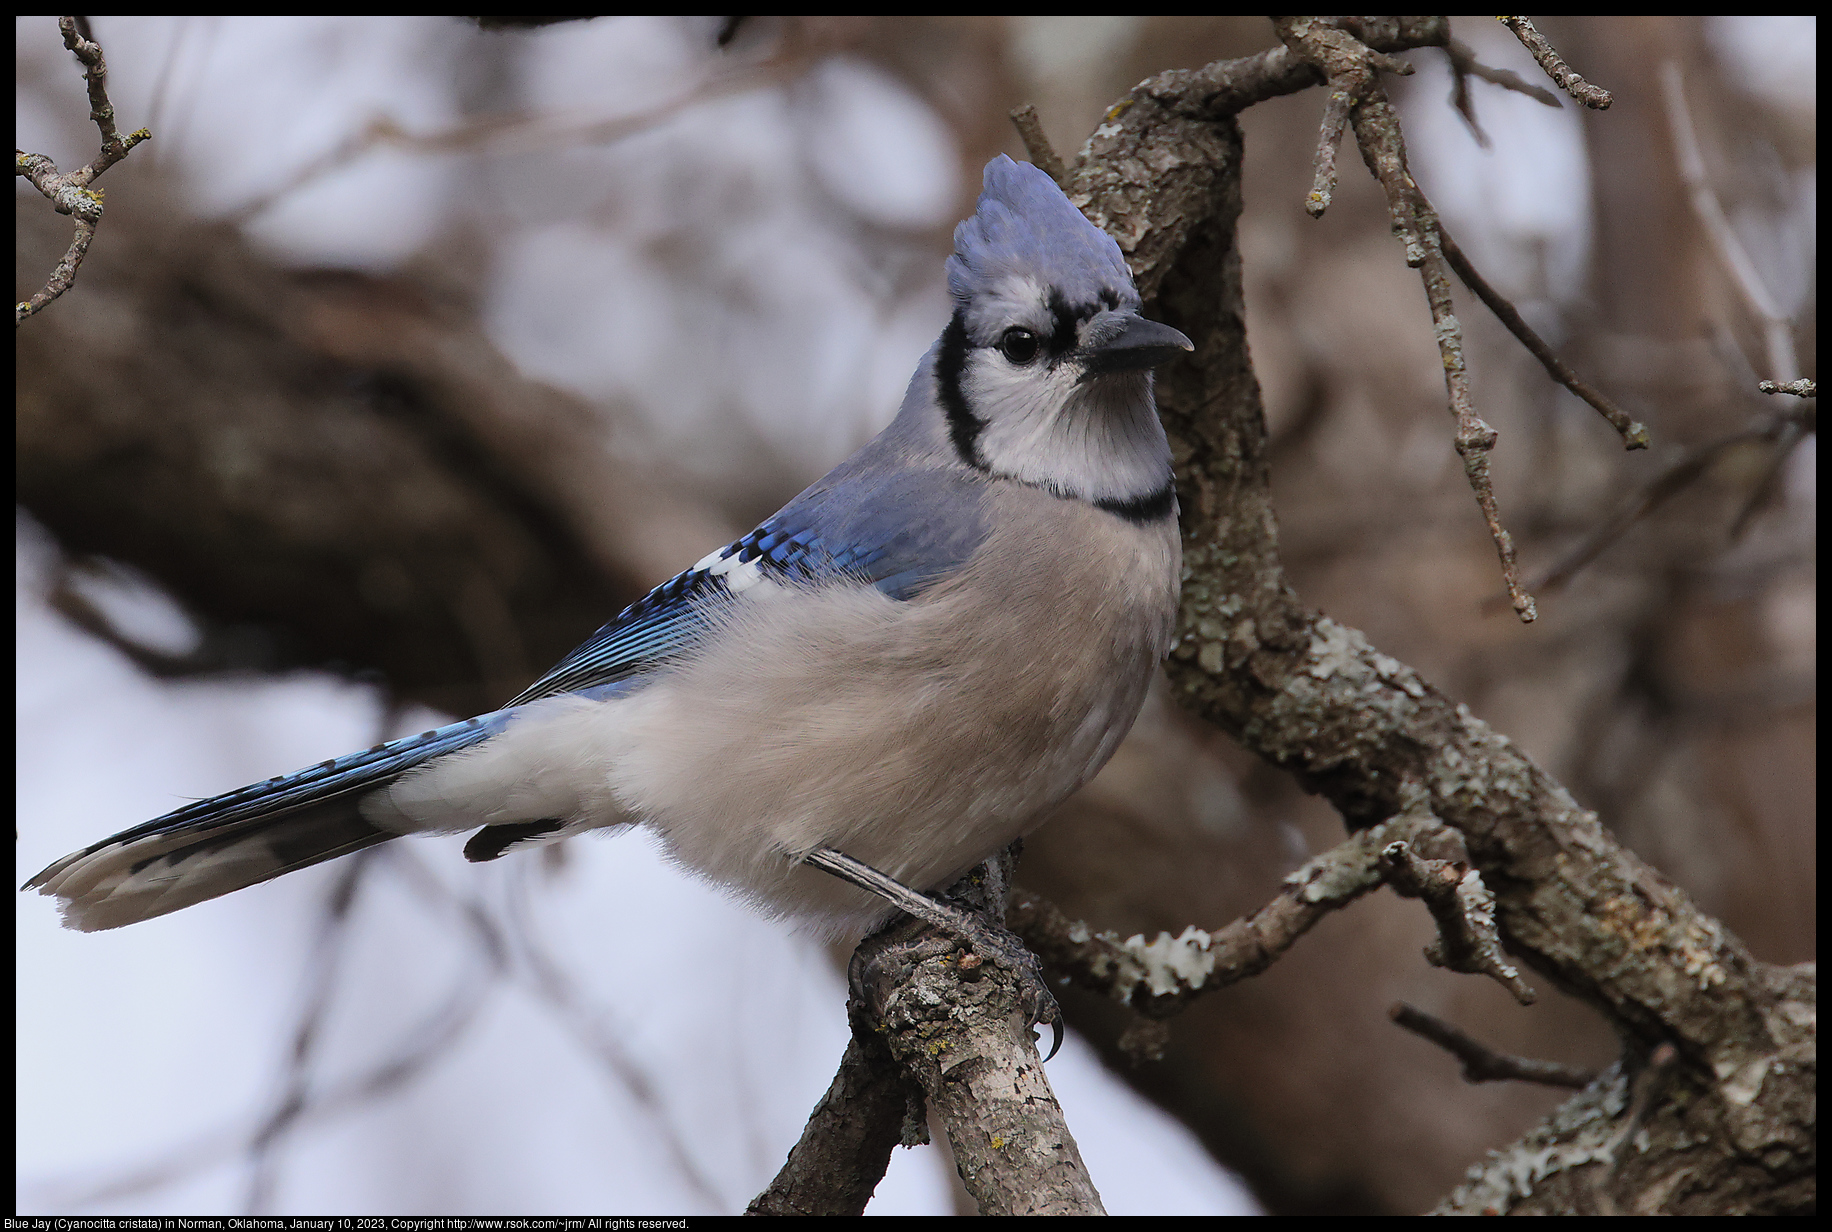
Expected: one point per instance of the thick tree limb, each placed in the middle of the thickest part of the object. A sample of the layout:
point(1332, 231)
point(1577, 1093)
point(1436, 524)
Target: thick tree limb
point(846, 1146)
point(332, 467)
point(1309, 695)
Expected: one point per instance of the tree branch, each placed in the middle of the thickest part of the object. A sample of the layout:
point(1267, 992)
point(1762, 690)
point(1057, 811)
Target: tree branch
point(1159, 978)
point(1313, 697)
point(1037, 143)
point(1594, 97)
point(70, 194)
point(961, 1029)
point(1482, 1063)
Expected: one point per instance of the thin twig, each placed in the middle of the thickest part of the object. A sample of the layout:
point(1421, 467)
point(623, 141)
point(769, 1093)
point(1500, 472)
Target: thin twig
point(328, 952)
point(70, 194)
point(517, 133)
point(1463, 61)
point(1800, 389)
point(1634, 434)
point(1594, 97)
point(1042, 154)
point(1474, 439)
point(1657, 492)
point(591, 1030)
point(1350, 66)
point(1482, 1063)
point(1329, 136)
point(1464, 65)
point(1777, 328)
point(1794, 430)
point(1459, 91)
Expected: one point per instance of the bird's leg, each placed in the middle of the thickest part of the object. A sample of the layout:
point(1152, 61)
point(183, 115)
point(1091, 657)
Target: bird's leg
point(988, 937)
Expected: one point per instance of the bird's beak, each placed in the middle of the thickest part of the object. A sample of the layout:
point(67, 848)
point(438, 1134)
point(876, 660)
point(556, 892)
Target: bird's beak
point(1126, 341)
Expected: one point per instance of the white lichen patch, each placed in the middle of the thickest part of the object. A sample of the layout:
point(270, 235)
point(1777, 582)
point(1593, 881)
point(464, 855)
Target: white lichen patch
point(1330, 877)
point(1167, 963)
point(1741, 1085)
point(1578, 1133)
point(1333, 649)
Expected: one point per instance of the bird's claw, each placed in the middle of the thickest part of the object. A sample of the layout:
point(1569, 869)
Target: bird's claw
point(1002, 946)
point(907, 941)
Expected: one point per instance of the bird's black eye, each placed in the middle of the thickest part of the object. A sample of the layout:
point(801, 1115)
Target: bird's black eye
point(1018, 345)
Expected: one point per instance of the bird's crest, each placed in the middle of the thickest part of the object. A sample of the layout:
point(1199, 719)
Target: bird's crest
point(1024, 227)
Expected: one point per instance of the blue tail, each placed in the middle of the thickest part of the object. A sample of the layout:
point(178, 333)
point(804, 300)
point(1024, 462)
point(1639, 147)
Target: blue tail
point(243, 837)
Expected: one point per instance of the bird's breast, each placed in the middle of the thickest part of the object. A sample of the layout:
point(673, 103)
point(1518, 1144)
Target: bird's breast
point(917, 736)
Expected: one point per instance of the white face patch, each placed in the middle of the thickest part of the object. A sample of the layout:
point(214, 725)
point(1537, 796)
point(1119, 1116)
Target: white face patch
point(1040, 421)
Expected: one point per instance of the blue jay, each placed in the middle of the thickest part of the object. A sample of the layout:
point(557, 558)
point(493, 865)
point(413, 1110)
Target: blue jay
point(889, 680)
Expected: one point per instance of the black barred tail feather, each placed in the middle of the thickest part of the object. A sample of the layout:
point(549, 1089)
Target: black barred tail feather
point(244, 837)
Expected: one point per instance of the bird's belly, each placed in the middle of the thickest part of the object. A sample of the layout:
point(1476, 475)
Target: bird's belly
point(919, 738)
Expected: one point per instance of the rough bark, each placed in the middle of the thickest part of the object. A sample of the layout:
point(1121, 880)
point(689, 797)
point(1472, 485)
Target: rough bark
point(1734, 1128)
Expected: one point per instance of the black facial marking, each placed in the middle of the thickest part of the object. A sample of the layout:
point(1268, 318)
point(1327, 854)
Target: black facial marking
point(963, 428)
point(1151, 507)
point(1063, 337)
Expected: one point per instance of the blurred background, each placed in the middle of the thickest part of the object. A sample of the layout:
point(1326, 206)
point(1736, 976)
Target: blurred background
point(407, 353)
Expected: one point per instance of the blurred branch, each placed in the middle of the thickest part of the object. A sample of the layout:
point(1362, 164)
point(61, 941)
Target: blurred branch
point(548, 979)
point(328, 950)
point(1036, 143)
point(70, 194)
point(1594, 97)
point(404, 500)
point(1777, 328)
point(1482, 1063)
point(422, 1043)
point(1784, 429)
point(516, 134)
point(1464, 65)
point(842, 1154)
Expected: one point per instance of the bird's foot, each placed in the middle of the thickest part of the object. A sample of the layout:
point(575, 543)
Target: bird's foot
point(989, 942)
point(951, 926)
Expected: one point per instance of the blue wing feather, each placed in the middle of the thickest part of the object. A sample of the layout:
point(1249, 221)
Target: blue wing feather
point(901, 532)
